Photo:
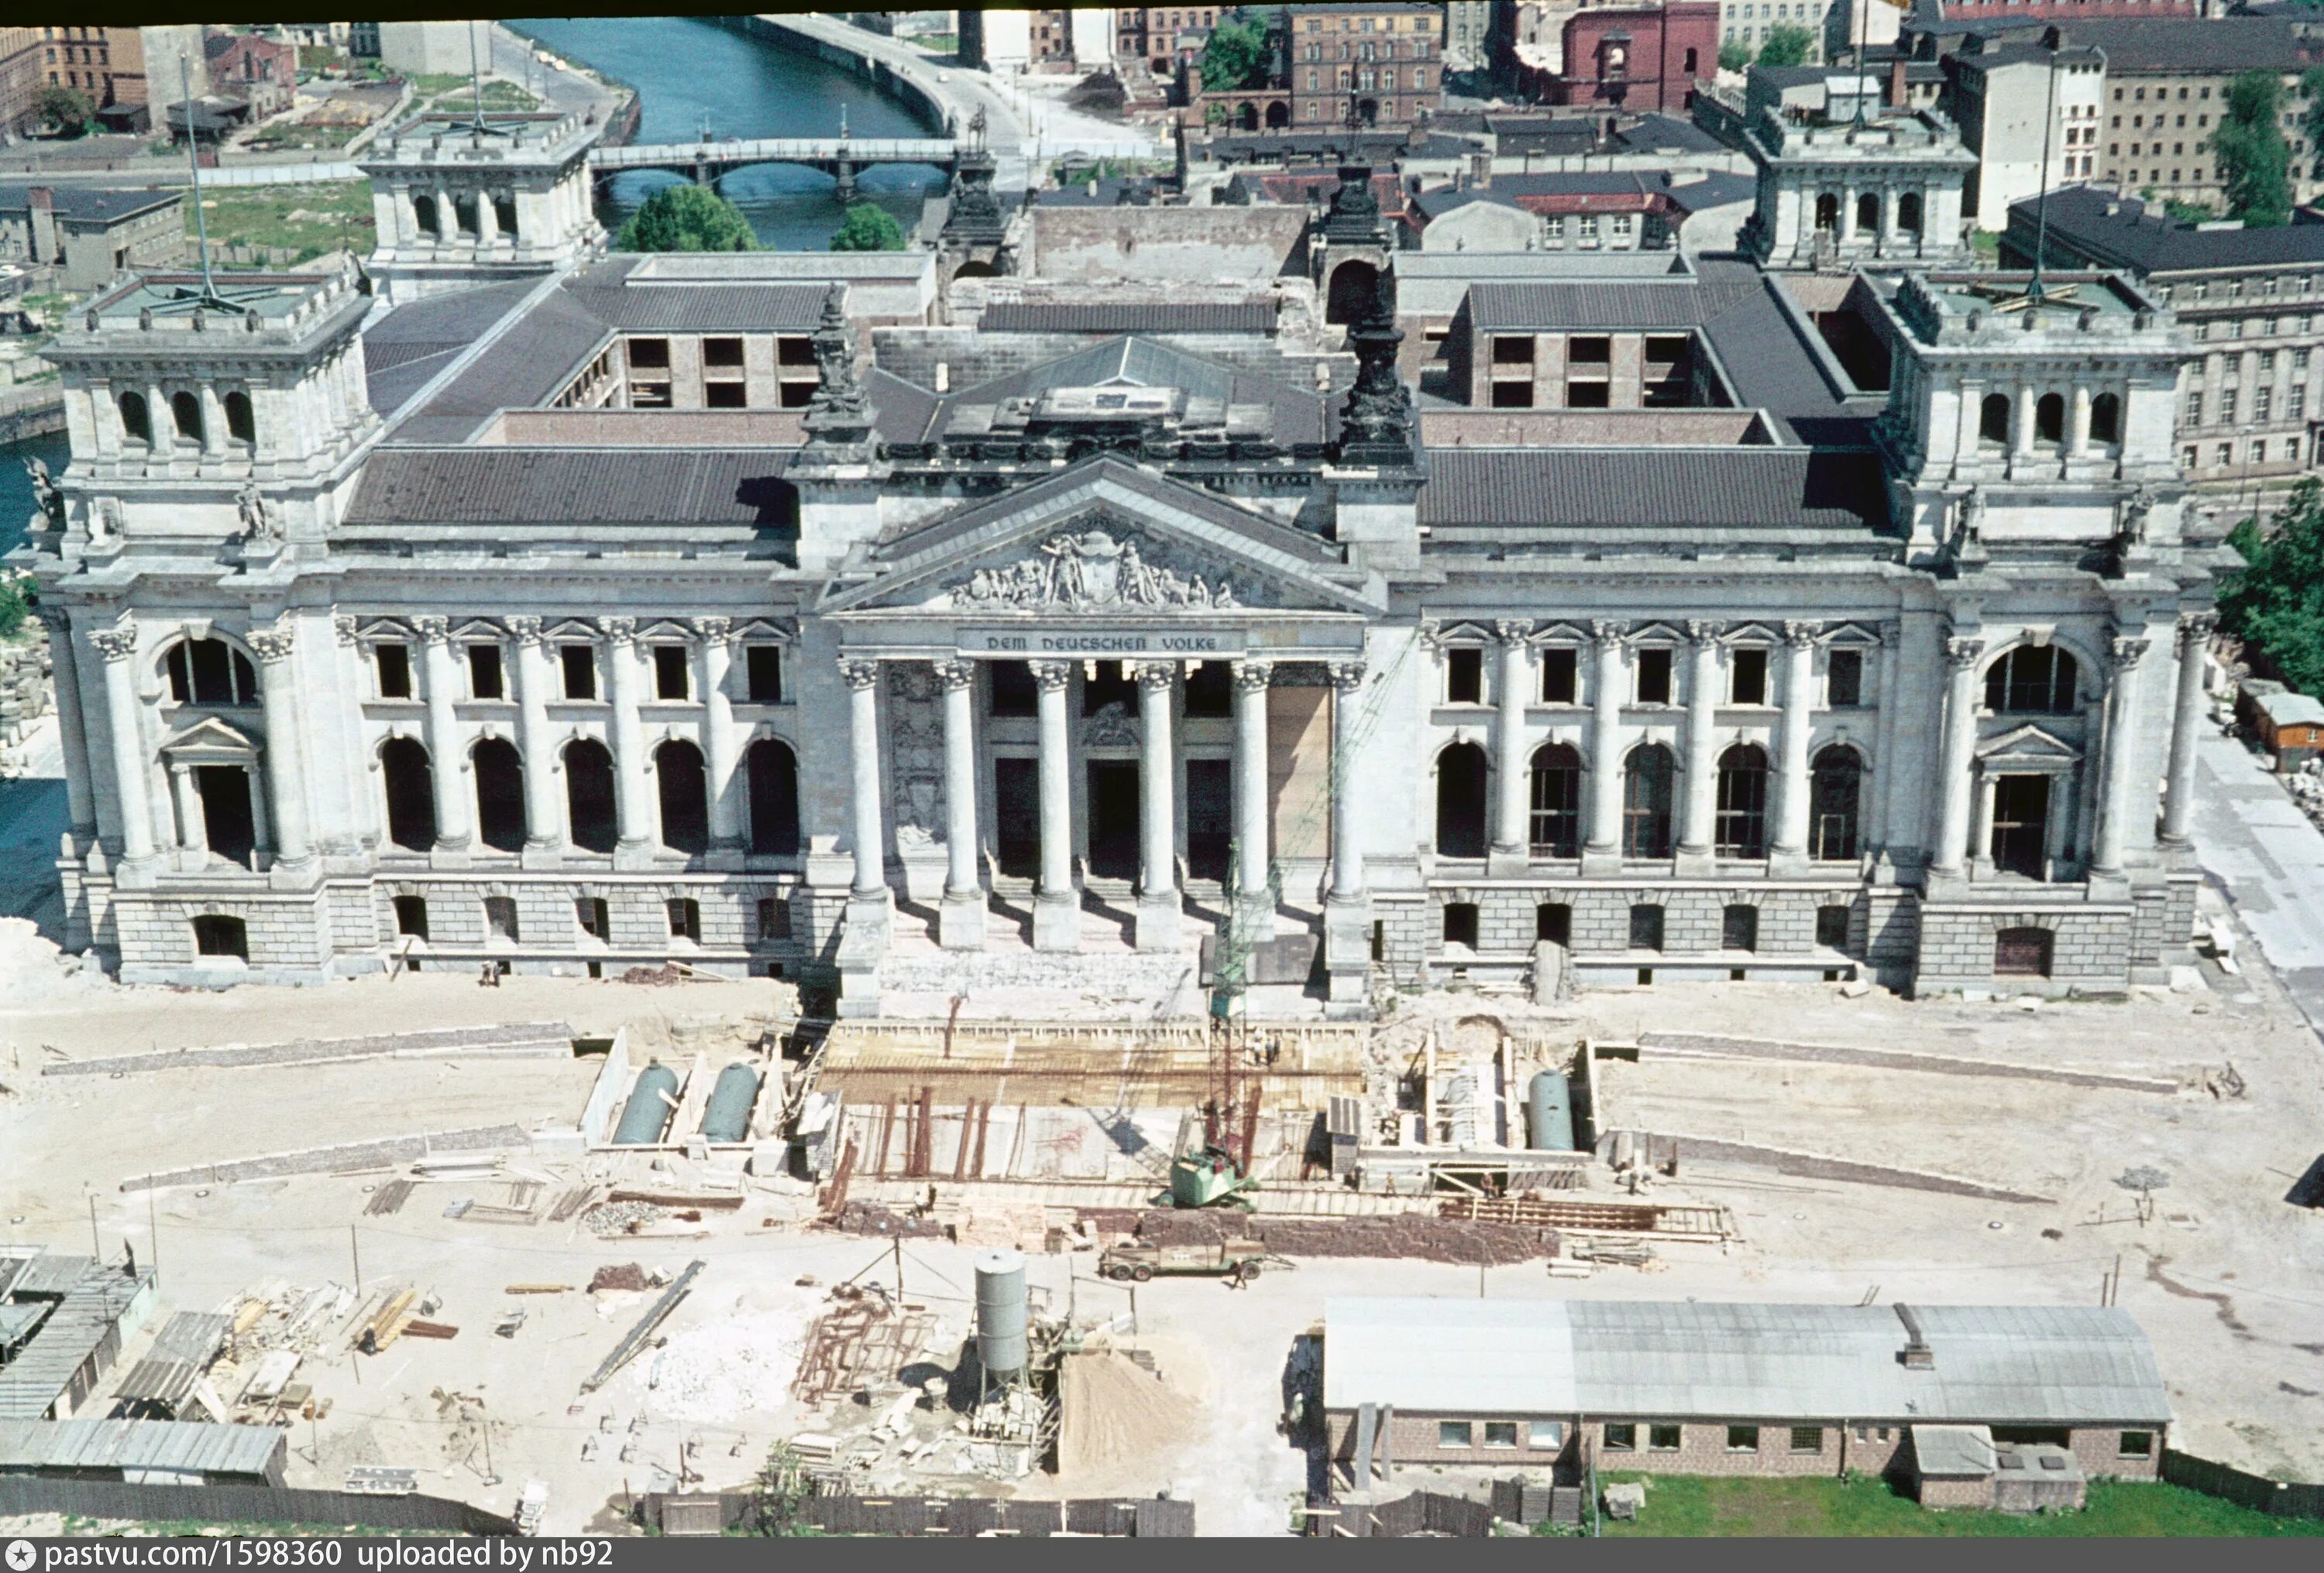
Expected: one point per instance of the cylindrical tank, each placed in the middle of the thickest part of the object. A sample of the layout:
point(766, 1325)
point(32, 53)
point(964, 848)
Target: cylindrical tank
point(647, 1113)
point(1549, 1106)
point(728, 1118)
point(1000, 1312)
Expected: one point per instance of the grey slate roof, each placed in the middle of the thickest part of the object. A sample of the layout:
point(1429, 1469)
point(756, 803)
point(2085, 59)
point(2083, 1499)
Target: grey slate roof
point(2112, 231)
point(1516, 492)
point(2187, 43)
point(183, 1446)
point(404, 350)
point(497, 485)
point(1993, 1365)
point(89, 204)
point(1298, 414)
point(1613, 305)
point(1127, 316)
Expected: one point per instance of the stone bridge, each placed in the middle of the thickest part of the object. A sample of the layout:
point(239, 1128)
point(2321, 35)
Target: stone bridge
point(840, 156)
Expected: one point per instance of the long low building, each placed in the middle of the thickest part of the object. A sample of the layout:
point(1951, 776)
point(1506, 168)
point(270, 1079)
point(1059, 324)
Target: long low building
point(155, 1452)
point(1698, 1388)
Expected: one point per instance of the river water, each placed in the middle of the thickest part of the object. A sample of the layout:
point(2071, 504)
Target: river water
point(688, 71)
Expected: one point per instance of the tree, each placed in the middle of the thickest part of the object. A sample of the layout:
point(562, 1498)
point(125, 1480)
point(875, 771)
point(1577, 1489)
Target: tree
point(2254, 161)
point(1787, 45)
point(869, 227)
point(687, 218)
point(2311, 119)
point(1235, 58)
point(1733, 56)
point(17, 596)
point(67, 111)
point(2275, 602)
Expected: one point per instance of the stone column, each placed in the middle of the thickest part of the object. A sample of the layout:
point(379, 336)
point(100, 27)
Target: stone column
point(193, 830)
point(1160, 912)
point(1791, 838)
point(1960, 752)
point(544, 816)
point(286, 785)
point(1347, 782)
point(2186, 724)
point(960, 924)
point(213, 421)
point(1254, 893)
point(1883, 779)
point(447, 217)
point(72, 735)
point(633, 808)
point(1604, 846)
point(2078, 422)
point(119, 645)
point(1056, 907)
point(1847, 214)
point(1981, 823)
point(447, 764)
point(488, 219)
point(2121, 769)
point(721, 750)
point(870, 837)
point(1698, 822)
point(407, 216)
point(2021, 420)
point(1513, 799)
point(160, 422)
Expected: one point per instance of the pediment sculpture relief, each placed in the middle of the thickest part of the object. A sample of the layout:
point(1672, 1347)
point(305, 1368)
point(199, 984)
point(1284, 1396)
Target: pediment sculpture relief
point(1090, 572)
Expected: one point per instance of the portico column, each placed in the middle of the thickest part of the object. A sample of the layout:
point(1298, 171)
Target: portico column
point(1606, 741)
point(1981, 824)
point(193, 830)
point(1513, 804)
point(1347, 784)
point(441, 674)
point(2123, 657)
point(1252, 860)
point(1159, 909)
point(1696, 826)
point(119, 645)
point(1791, 839)
point(80, 804)
point(1883, 766)
point(1961, 748)
point(862, 678)
point(1057, 907)
point(544, 821)
point(285, 784)
point(2187, 716)
point(633, 807)
point(719, 748)
point(960, 924)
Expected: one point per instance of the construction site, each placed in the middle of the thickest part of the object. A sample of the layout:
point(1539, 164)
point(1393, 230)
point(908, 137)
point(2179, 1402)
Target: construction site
point(587, 1255)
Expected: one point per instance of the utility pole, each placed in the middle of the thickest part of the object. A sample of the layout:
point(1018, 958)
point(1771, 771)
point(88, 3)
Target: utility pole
point(95, 1249)
point(356, 1255)
point(153, 1233)
point(898, 1244)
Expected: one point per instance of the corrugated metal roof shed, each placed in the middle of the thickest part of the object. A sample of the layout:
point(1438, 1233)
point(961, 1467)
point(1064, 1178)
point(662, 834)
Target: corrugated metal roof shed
point(173, 1365)
point(51, 1273)
point(84, 1325)
point(184, 1446)
point(2033, 1364)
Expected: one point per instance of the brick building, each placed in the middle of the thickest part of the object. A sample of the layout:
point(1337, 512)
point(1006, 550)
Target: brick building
point(1336, 65)
point(1167, 39)
point(1698, 1388)
point(1639, 59)
point(261, 72)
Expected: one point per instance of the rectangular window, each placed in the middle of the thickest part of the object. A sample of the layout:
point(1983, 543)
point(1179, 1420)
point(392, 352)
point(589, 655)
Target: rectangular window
point(1500, 1433)
point(1739, 927)
point(1662, 1439)
point(1831, 927)
point(669, 671)
point(649, 354)
point(1561, 677)
point(485, 672)
point(1749, 668)
point(722, 352)
point(725, 396)
point(499, 917)
point(1461, 923)
point(1742, 1438)
point(774, 918)
point(2263, 399)
point(1645, 928)
point(1464, 677)
point(686, 919)
point(1512, 395)
point(1585, 394)
point(1620, 1437)
point(1513, 350)
point(2136, 1445)
point(580, 664)
point(1453, 1433)
point(2295, 404)
point(1654, 677)
point(393, 663)
point(1545, 1434)
point(763, 671)
point(2224, 456)
point(2195, 408)
point(411, 917)
point(1591, 349)
point(1807, 1438)
point(2227, 407)
point(589, 912)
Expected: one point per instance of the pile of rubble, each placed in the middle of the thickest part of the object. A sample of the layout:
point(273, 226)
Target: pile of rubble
point(23, 691)
point(610, 1218)
point(2306, 785)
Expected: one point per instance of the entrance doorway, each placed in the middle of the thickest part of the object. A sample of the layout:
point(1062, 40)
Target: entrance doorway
point(1210, 818)
point(1114, 819)
point(227, 823)
point(1017, 817)
point(2021, 825)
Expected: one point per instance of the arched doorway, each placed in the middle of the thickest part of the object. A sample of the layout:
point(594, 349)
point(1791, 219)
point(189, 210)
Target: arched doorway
point(1646, 802)
point(2049, 419)
point(1993, 420)
point(1278, 115)
point(1908, 213)
point(410, 795)
point(1740, 830)
point(1461, 801)
point(589, 794)
point(685, 797)
point(500, 794)
point(1827, 213)
point(1835, 786)
point(1556, 830)
point(1247, 117)
point(1349, 294)
point(1867, 213)
point(773, 772)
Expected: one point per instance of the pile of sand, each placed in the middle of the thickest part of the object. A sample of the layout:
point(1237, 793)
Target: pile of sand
point(1114, 1412)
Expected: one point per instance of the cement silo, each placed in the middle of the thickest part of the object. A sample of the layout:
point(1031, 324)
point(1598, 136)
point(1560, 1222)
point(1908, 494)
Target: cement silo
point(728, 1118)
point(1001, 1315)
point(651, 1103)
point(1549, 1109)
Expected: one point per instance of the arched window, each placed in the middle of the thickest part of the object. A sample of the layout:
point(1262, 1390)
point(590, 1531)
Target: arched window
point(589, 794)
point(424, 214)
point(2050, 419)
point(1741, 829)
point(2106, 418)
point(1556, 802)
point(1646, 802)
point(1834, 786)
point(410, 795)
point(1461, 801)
point(1827, 213)
point(1908, 213)
point(1993, 420)
point(685, 797)
point(136, 419)
point(1867, 213)
point(1351, 292)
point(774, 799)
point(209, 671)
point(186, 411)
point(500, 794)
point(240, 421)
point(2031, 680)
point(1278, 115)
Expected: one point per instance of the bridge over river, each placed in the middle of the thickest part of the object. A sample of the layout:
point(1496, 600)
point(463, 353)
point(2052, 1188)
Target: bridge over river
point(843, 157)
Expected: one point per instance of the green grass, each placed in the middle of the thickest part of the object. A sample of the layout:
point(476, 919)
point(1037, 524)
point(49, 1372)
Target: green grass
point(300, 219)
point(1987, 243)
point(1700, 1506)
point(497, 95)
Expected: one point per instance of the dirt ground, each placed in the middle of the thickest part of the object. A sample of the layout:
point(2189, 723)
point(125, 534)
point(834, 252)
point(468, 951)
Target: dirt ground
point(2227, 1278)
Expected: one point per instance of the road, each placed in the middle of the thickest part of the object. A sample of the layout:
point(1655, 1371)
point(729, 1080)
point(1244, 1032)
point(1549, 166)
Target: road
point(2254, 841)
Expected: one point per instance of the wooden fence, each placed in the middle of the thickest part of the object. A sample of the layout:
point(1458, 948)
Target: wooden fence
point(233, 1504)
point(2279, 1498)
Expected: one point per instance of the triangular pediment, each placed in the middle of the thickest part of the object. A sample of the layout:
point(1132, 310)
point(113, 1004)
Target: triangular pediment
point(1105, 538)
point(2027, 745)
point(208, 736)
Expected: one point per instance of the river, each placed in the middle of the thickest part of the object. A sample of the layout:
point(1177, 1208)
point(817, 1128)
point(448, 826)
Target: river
point(688, 71)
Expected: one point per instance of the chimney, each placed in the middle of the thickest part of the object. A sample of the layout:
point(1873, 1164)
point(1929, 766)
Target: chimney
point(1916, 1354)
point(944, 376)
point(42, 199)
point(1896, 81)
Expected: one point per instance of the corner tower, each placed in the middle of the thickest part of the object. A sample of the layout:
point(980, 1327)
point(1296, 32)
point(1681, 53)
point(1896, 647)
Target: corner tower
point(470, 199)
